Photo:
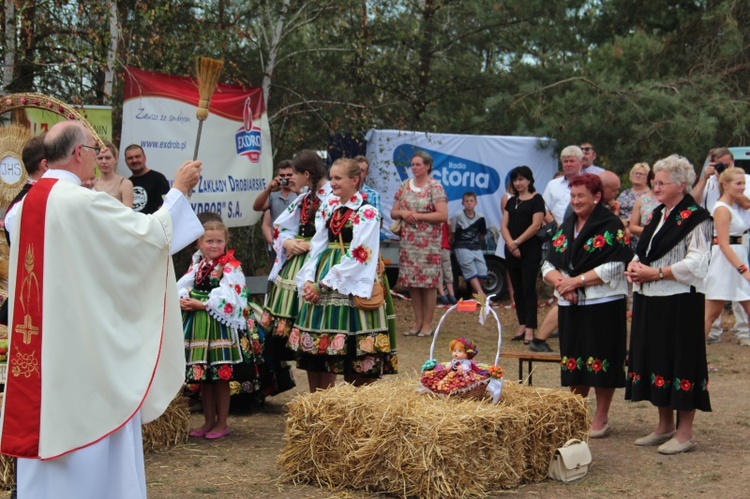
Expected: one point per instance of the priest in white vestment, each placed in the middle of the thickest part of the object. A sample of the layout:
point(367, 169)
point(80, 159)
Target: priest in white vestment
point(95, 330)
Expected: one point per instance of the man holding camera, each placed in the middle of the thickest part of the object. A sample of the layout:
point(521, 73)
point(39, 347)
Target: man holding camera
point(706, 193)
point(273, 200)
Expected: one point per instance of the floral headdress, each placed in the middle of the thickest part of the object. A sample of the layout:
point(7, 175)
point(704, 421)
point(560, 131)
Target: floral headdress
point(471, 348)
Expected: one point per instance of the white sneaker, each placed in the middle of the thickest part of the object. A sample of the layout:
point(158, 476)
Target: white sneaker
point(713, 339)
point(745, 342)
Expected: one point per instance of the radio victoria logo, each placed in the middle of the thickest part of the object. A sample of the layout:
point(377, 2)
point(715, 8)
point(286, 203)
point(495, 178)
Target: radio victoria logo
point(248, 138)
point(458, 175)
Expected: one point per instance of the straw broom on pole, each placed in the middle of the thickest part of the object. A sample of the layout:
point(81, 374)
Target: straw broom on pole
point(207, 73)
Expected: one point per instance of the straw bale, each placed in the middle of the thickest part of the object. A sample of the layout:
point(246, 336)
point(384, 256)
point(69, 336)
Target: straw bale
point(388, 438)
point(554, 416)
point(7, 465)
point(171, 428)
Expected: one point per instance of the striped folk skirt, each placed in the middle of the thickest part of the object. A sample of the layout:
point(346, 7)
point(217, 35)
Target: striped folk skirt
point(281, 309)
point(211, 348)
point(334, 336)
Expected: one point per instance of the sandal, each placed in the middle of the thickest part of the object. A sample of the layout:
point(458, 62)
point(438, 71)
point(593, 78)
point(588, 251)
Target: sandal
point(519, 337)
point(425, 335)
point(412, 333)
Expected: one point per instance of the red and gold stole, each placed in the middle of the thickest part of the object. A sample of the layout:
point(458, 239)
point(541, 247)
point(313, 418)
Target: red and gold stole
point(23, 389)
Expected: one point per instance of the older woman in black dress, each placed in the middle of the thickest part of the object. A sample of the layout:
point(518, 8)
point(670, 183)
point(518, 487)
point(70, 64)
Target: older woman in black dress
point(586, 266)
point(667, 364)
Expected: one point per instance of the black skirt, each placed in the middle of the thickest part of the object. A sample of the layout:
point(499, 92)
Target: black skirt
point(592, 344)
point(667, 363)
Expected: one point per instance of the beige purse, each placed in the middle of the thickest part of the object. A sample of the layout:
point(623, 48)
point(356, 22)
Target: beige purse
point(395, 226)
point(377, 296)
point(571, 461)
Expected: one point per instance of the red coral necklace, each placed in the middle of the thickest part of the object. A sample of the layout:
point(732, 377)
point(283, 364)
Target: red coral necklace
point(338, 220)
point(304, 216)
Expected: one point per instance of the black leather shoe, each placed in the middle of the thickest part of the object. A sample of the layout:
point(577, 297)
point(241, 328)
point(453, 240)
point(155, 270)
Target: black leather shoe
point(539, 346)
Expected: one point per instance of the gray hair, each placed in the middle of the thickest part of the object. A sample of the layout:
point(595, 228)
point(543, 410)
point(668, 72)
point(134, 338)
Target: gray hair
point(572, 151)
point(59, 146)
point(679, 169)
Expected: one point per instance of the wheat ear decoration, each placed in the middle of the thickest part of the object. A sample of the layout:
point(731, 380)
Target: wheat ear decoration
point(207, 72)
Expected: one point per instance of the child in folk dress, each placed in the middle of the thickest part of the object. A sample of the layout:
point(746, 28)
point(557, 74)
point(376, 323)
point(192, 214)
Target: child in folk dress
point(213, 298)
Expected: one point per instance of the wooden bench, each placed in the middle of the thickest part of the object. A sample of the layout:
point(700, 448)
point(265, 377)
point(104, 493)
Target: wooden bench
point(530, 357)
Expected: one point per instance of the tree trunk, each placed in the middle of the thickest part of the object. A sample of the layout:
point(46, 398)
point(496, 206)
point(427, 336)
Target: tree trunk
point(109, 75)
point(10, 43)
point(425, 60)
point(273, 51)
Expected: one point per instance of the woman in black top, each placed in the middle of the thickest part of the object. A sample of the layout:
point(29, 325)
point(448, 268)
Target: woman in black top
point(522, 218)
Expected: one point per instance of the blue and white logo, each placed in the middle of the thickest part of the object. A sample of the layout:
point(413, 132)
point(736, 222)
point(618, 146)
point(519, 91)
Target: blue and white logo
point(458, 175)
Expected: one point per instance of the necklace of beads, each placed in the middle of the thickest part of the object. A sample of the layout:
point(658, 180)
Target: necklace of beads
point(339, 219)
point(304, 216)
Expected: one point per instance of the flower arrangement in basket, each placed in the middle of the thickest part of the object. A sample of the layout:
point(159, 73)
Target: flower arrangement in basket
point(462, 376)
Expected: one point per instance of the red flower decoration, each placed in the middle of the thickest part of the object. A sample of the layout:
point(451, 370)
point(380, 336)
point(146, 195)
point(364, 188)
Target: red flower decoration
point(237, 288)
point(685, 384)
point(323, 343)
point(684, 214)
point(275, 232)
point(364, 195)
point(361, 254)
point(659, 381)
point(368, 213)
point(599, 241)
point(353, 199)
point(572, 364)
point(228, 308)
point(331, 202)
point(559, 241)
point(224, 372)
point(596, 365)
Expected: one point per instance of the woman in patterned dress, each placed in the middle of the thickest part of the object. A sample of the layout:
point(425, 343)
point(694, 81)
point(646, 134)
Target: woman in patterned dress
point(292, 232)
point(213, 297)
point(627, 198)
point(331, 335)
point(422, 205)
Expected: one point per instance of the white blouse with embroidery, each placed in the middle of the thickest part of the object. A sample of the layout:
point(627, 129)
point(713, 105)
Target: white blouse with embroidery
point(613, 287)
point(689, 270)
point(286, 226)
point(356, 272)
point(225, 303)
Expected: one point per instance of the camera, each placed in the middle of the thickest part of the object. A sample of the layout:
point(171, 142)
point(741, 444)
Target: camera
point(719, 167)
point(285, 181)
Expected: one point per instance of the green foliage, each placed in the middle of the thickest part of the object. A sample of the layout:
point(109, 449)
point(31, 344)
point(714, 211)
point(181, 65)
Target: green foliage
point(638, 78)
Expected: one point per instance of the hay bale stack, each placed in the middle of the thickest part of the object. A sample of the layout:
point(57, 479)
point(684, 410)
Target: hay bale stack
point(553, 416)
point(388, 438)
point(171, 428)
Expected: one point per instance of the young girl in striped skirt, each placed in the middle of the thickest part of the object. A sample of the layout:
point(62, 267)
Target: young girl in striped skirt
point(213, 297)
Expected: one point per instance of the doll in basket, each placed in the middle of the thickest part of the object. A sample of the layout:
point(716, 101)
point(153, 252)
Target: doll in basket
point(460, 375)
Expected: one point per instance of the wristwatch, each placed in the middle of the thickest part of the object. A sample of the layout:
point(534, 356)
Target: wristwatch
point(583, 279)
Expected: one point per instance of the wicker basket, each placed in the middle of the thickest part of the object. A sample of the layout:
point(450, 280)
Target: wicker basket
point(487, 382)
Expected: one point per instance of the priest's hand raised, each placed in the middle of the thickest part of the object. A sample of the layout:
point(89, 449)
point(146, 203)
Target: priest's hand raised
point(187, 176)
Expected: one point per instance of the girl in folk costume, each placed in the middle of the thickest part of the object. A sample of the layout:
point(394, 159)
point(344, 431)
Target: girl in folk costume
point(213, 298)
point(292, 232)
point(331, 335)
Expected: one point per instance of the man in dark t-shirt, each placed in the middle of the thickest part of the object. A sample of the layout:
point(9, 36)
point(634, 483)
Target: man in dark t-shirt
point(149, 186)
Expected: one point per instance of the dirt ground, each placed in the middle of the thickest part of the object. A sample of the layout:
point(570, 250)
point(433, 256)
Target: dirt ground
point(244, 464)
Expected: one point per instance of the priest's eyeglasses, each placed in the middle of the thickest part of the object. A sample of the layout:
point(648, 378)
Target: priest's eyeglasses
point(96, 149)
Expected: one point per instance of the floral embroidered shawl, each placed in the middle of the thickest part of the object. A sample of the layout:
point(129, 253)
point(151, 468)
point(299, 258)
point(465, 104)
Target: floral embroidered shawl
point(684, 217)
point(601, 240)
